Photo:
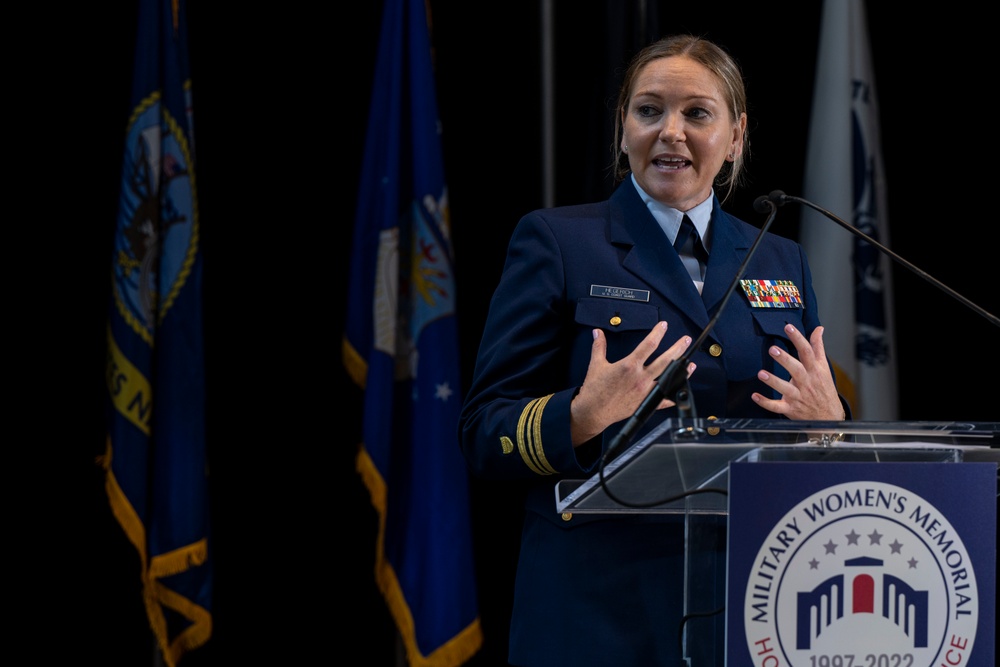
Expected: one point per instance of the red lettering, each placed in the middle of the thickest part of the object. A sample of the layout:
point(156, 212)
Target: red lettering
point(952, 658)
point(959, 642)
point(770, 658)
point(762, 645)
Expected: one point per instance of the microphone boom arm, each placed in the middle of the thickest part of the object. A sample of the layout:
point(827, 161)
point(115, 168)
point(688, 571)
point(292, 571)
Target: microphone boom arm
point(779, 198)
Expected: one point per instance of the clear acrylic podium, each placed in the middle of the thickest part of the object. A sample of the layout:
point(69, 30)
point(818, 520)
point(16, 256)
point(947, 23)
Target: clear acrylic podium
point(682, 465)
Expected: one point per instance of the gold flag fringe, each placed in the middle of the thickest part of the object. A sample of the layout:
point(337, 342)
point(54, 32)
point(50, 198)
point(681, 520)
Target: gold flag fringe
point(459, 648)
point(155, 595)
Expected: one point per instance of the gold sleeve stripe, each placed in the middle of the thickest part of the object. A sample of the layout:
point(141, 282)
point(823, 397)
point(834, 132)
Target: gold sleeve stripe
point(521, 445)
point(529, 437)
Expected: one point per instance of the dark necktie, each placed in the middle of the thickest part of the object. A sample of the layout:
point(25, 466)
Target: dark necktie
point(690, 249)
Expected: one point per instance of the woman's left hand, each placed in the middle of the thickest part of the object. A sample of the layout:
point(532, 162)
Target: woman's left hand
point(811, 393)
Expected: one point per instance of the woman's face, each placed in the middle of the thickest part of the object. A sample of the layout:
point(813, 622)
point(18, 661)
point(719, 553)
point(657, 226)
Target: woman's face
point(677, 131)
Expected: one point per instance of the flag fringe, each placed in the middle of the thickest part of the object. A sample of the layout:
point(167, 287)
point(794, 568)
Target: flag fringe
point(179, 560)
point(193, 636)
point(155, 595)
point(456, 651)
point(355, 364)
point(122, 509)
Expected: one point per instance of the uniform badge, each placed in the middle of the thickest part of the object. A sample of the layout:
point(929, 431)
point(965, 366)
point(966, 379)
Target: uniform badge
point(626, 293)
point(772, 293)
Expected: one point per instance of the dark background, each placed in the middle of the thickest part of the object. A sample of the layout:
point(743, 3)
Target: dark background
point(281, 97)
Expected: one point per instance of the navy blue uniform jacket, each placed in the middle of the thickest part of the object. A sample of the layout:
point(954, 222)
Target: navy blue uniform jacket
point(605, 590)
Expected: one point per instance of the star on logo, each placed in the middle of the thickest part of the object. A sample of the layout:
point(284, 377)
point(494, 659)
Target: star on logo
point(831, 548)
point(443, 391)
point(852, 537)
point(896, 547)
point(875, 537)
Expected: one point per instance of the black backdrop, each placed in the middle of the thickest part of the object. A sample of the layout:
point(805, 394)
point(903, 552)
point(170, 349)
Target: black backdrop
point(281, 99)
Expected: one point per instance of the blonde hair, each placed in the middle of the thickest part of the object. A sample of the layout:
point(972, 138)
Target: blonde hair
point(716, 60)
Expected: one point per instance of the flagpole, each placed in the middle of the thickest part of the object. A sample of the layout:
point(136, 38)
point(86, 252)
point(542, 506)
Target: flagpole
point(548, 104)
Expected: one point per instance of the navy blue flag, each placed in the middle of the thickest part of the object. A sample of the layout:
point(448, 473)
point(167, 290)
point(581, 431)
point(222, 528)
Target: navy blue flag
point(156, 468)
point(401, 347)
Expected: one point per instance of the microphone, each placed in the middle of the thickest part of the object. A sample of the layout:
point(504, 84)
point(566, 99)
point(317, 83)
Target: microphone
point(764, 203)
point(673, 382)
point(779, 198)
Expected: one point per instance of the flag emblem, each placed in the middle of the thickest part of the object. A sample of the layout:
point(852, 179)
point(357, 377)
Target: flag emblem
point(157, 239)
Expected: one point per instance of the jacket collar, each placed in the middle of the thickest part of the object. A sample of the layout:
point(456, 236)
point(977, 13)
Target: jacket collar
point(650, 256)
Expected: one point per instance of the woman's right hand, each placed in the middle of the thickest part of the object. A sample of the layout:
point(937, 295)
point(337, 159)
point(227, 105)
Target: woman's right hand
point(612, 392)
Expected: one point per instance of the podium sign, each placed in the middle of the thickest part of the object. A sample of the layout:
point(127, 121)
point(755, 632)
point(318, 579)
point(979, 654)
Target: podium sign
point(844, 564)
point(929, 487)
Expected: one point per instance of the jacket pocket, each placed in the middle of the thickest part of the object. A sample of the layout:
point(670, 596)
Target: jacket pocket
point(771, 322)
point(625, 323)
point(616, 314)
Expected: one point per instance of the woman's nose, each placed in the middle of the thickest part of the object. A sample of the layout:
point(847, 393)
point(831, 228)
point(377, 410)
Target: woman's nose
point(673, 128)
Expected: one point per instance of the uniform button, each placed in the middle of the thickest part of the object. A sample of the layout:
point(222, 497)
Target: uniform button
point(713, 430)
point(566, 516)
point(715, 350)
point(615, 321)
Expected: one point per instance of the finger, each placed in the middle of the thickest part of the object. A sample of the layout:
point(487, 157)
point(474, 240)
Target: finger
point(598, 353)
point(800, 342)
point(816, 340)
point(599, 348)
point(666, 402)
point(776, 406)
point(785, 360)
point(776, 383)
point(650, 342)
point(673, 352)
point(679, 347)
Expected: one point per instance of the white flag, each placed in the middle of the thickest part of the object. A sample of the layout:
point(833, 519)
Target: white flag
point(844, 175)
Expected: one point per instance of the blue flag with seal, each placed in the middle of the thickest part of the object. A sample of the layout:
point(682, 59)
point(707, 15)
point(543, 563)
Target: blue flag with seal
point(401, 347)
point(155, 462)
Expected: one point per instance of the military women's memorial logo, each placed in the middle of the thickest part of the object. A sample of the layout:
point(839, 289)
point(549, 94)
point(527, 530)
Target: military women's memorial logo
point(863, 573)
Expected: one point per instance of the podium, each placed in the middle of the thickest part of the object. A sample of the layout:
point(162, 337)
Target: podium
point(683, 466)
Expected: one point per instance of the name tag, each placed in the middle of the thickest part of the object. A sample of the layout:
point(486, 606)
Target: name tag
point(772, 293)
point(626, 293)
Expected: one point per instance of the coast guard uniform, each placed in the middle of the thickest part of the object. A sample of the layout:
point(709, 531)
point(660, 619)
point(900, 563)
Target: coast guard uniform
point(606, 590)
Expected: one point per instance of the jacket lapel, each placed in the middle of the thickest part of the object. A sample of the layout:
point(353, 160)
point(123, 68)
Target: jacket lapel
point(729, 247)
point(649, 254)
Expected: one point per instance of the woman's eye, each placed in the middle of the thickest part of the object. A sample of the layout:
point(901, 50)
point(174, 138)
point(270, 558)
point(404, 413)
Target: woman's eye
point(646, 111)
point(697, 112)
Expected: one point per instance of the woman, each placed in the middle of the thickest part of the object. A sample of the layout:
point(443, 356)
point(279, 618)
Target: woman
point(593, 304)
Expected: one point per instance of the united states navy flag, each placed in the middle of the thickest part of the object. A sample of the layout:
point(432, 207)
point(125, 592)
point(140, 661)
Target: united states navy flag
point(155, 461)
point(401, 346)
